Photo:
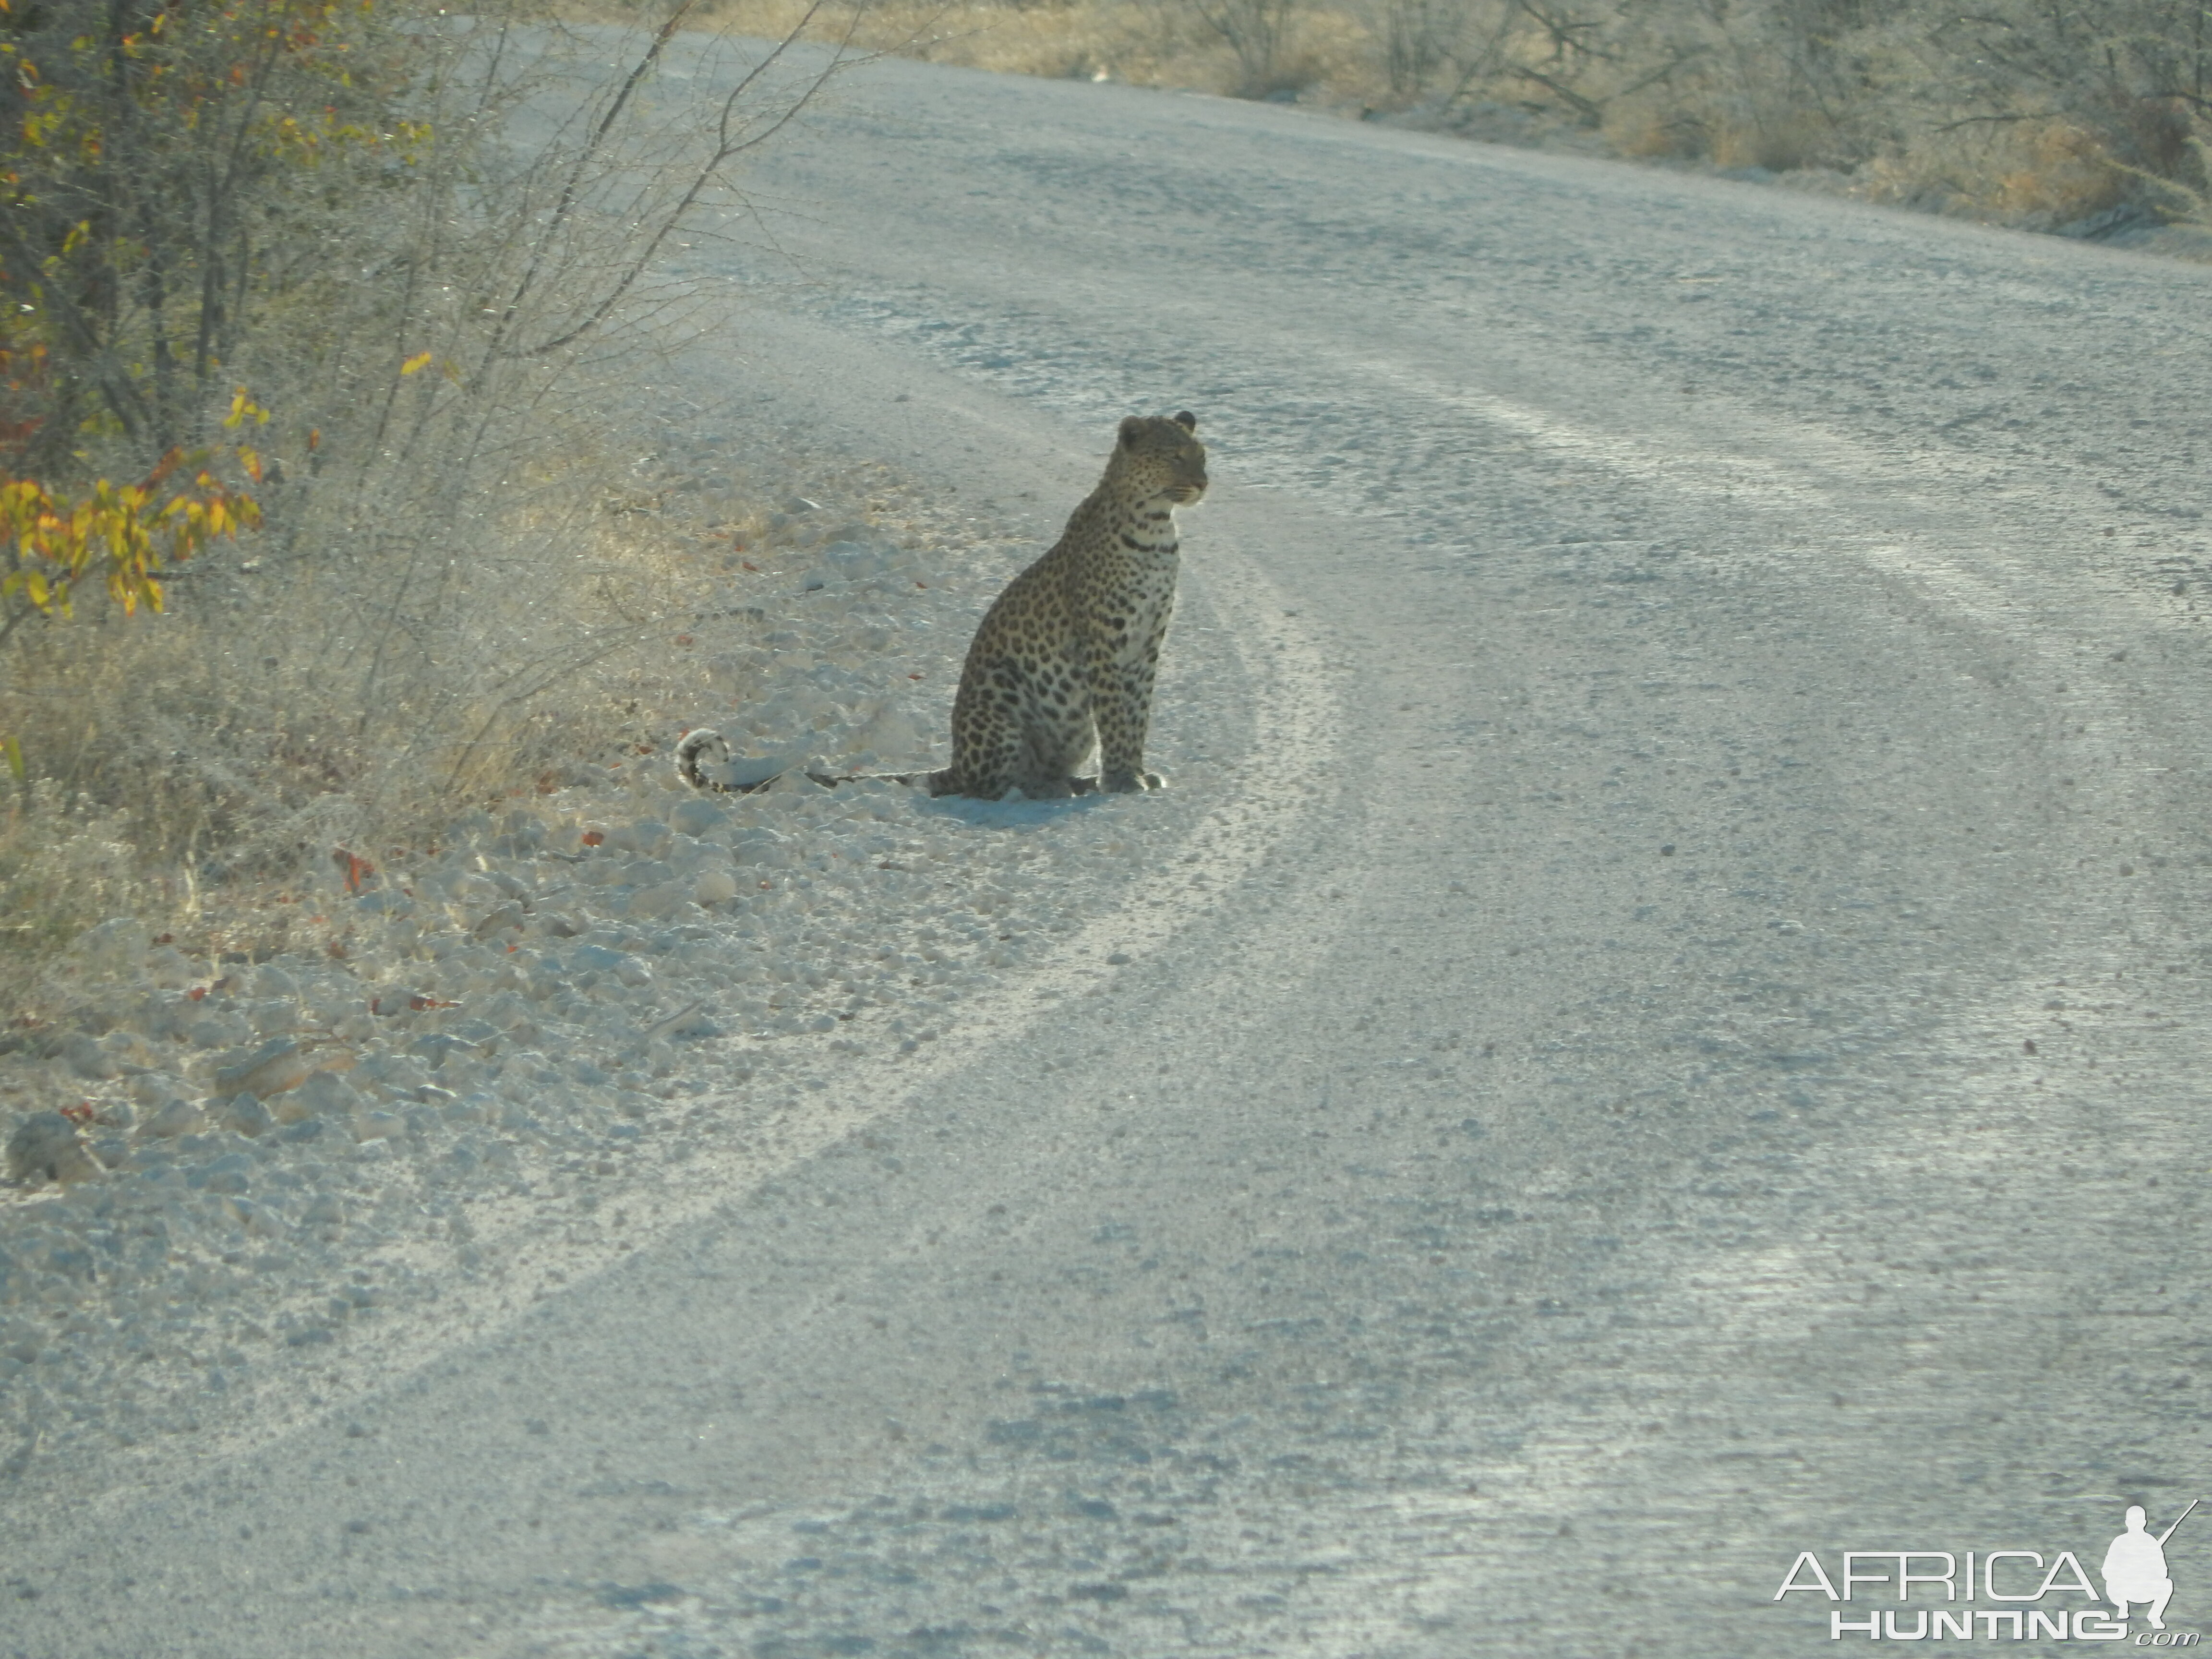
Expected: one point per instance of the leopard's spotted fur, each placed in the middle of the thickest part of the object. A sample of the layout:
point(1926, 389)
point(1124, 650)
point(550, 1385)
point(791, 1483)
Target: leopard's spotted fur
point(1066, 656)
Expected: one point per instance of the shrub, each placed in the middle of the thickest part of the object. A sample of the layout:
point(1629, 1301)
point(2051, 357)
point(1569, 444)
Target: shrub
point(333, 205)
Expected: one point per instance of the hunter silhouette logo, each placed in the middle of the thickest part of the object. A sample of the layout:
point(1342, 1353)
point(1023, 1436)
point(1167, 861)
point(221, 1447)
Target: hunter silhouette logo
point(2031, 1595)
point(2135, 1566)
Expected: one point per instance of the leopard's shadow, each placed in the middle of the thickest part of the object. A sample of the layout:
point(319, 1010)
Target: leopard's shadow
point(1009, 814)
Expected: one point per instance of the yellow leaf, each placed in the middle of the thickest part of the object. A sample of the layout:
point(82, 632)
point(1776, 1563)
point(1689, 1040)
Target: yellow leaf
point(242, 406)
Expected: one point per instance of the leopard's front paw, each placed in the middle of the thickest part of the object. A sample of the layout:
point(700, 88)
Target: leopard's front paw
point(1125, 783)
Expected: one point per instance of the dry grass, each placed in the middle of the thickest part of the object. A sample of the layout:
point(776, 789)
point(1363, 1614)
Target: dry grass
point(212, 782)
point(202, 769)
point(2035, 175)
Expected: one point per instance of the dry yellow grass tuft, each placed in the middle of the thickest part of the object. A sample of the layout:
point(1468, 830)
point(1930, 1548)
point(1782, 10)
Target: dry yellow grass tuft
point(189, 773)
point(2057, 169)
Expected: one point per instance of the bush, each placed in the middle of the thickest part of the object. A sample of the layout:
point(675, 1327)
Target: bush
point(328, 204)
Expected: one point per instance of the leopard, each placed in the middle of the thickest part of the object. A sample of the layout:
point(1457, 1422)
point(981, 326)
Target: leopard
point(1065, 659)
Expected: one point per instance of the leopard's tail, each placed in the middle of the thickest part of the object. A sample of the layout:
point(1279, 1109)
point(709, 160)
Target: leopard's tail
point(710, 746)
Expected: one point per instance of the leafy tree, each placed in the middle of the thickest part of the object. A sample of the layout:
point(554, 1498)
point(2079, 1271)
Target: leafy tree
point(165, 162)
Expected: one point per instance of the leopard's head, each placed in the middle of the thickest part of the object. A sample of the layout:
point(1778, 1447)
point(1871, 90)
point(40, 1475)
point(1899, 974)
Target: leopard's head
point(1158, 458)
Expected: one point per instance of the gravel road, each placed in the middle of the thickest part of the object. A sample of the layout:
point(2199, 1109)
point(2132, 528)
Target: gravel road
point(1660, 1028)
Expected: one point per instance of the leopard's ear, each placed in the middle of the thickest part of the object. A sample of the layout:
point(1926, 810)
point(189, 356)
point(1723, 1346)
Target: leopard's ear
point(1186, 421)
point(1132, 429)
